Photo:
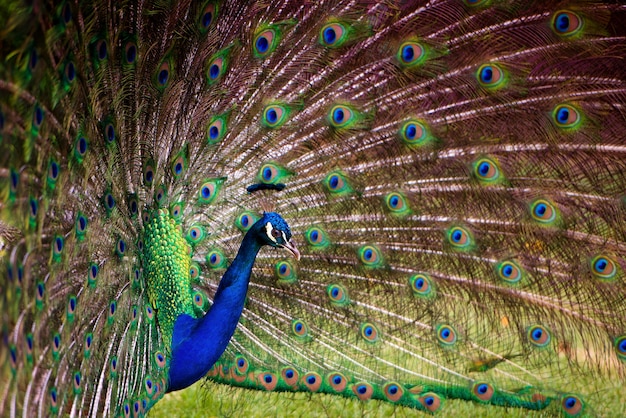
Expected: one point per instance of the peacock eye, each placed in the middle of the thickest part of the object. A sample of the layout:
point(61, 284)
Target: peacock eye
point(275, 233)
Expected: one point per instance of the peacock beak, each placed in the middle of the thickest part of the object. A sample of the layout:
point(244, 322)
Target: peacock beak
point(291, 247)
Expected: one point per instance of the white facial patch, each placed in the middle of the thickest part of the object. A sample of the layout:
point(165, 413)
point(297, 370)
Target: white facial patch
point(268, 230)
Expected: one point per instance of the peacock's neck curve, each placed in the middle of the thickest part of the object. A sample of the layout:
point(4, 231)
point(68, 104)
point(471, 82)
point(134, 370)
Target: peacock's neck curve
point(198, 343)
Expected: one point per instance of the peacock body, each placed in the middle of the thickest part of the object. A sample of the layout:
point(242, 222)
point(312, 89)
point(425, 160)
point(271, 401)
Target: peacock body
point(454, 173)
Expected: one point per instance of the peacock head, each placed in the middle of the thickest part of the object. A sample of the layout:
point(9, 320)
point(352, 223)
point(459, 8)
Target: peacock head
point(275, 232)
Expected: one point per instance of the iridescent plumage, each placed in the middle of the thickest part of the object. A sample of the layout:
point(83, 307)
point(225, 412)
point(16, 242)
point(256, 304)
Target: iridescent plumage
point(454, 173)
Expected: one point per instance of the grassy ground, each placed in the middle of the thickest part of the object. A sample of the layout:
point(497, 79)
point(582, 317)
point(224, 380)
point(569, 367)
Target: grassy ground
point(214, 400)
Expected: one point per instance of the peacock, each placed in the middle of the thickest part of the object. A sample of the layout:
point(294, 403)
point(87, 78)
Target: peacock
point(402, 200)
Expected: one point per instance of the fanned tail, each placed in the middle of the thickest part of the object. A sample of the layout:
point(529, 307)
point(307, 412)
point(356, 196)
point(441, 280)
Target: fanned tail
point(454, 173)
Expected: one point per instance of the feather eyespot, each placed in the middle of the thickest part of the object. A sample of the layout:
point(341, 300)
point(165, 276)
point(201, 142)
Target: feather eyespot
point(109, 133)
point(271, 173)
point(274, 116)
point(159, 359)
point(130, 52)
point(446, 335)
point(430, 401)
point(80, 226)
point(208, 191)
point(179, 164)
point(80, 148)
point(421, 285)
point(543, 212)
point(196, 234)
point(487, 170)
point(92, 275)
point(216, 130)
point(333, 35)
point(112, 309)
point(72, 303)
point(397, 204)
point(299, 329)
point(337, 184)
point(285, 272)
point(393, 391)
point(411, 54)
point(34, 59)
point(369, 332)
point(337, 381)
point(120, 247)
point(199, 300)
point(66, 13)
point(572, 405)
point(215, 258)
point(149, 385)
point(363, 391)
point(87, 346)
point(216, 69)
point(340, 116)
point(38, 116)
point(290, 376)
point(265, 43)
point(566, 116)
point(53, 172)
point(133, 205)
point(491, 76)
point(149, 311)
point(70, 72)
point(509, 271)
point(163, 74)
point(415, 133)
point(34, 209)
point(148, 172)
point(460, 238)
point(245, 220)
point(57, 247)
point(338, 295)
point(101, 49)
point(40, 292)
point(53, 396)
point(394, 201)
point(538, 336)
point(483, 391)
point(194, 271)
point(56, 341)
point(160, 195)
point(316, 237)
point(267, 380)
point(113, 367)
point(77, 381)
point(370, 256)
point(241, 365)
point(312, 381)
point(566, 23)
point(603, 267)
point(13, 357)
point(207, 16)
point(14, 180)
point(620, 347)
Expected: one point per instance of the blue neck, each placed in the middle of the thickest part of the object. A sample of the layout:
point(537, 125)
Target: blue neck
point(198, 343)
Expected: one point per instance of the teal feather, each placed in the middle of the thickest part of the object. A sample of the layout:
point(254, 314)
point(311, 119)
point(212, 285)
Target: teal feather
point(454, 173)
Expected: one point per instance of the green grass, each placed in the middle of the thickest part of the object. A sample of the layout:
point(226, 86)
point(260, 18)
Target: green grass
point(208, 399)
